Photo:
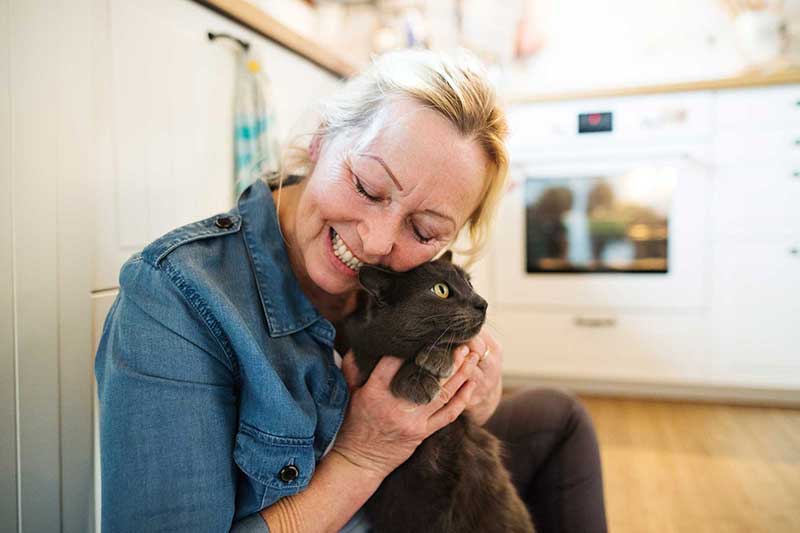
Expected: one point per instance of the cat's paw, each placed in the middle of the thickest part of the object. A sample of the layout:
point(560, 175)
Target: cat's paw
point(415, 384)
point(437, 362)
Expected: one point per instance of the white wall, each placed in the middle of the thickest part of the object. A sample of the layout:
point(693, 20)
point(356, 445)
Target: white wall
point(165, 119)
point(611, 43)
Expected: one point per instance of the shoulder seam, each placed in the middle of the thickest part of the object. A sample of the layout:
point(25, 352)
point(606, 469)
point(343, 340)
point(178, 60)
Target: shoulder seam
point(200, 306)
point(156, 251)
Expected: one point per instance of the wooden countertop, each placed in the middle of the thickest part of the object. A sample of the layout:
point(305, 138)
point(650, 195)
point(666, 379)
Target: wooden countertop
point(753, 79)
point(267, 26)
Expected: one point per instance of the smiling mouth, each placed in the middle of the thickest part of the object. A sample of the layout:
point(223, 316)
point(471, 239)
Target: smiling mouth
point(343, 253)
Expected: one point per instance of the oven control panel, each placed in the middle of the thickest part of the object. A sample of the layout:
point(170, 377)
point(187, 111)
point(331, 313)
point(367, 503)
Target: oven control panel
point(544, 128)
point(595, 122)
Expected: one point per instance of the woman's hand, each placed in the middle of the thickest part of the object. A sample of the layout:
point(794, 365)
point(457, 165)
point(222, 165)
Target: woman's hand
point(487, 376)
point(381, 431)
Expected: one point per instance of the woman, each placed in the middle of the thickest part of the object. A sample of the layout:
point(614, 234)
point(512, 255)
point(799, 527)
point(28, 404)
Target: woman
point(222, 406)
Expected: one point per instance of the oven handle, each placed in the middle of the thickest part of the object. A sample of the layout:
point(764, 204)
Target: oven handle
point(520, 170)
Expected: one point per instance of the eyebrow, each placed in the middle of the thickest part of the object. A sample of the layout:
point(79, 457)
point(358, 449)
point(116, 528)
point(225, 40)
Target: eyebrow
point(400, 188)
point(386, 168)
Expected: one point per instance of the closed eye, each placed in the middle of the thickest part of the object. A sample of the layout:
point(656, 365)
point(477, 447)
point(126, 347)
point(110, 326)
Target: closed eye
point(420, 237)
point(360, 190)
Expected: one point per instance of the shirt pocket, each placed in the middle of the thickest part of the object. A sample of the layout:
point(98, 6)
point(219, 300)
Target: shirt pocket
point(284, 465)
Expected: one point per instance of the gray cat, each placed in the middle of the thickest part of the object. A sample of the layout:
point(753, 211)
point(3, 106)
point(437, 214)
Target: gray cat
point(455, 481)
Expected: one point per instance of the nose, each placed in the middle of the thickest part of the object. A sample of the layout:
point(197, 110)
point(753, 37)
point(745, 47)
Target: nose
point(481, 304)
point(377, 237)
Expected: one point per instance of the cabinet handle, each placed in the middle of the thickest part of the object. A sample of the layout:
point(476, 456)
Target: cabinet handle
point(585, 322)
point(794, 251)
point(796, 174)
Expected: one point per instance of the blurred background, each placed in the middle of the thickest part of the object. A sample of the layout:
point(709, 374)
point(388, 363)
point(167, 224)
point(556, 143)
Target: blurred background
point(646, 255)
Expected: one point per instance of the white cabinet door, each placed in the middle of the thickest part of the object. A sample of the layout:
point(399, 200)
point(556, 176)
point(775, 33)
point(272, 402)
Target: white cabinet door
point(756, 313)
point(165, 119)
point(757, 201)
point(757, 108)
point(164, 113)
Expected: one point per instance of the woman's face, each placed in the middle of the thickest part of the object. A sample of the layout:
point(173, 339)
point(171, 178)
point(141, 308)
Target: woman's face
point(395, 196)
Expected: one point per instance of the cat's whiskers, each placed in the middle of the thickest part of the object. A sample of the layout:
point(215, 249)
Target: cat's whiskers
point(436, 341)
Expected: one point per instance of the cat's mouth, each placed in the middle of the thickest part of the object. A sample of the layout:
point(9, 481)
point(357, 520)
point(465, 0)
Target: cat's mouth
point(343, 253)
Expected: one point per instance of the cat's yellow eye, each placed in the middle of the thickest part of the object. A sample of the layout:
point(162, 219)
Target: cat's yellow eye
point(441, 290)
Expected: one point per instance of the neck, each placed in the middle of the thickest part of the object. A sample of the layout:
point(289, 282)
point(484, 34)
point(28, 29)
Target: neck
point(334, 307)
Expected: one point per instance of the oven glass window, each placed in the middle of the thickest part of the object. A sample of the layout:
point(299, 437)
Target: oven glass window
point(599, 223)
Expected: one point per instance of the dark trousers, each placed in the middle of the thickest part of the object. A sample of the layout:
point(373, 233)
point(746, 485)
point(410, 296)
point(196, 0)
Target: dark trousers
point(552, 454)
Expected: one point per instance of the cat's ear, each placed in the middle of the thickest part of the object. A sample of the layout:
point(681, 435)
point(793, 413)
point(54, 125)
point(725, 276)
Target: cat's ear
point(377, 281)
point(447, 256)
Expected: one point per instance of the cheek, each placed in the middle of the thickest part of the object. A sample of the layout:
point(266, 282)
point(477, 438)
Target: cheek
point(326, 203)
point(412, 255)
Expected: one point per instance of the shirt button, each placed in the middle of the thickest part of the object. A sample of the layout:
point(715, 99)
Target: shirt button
point(223, 222)
point(288, 473)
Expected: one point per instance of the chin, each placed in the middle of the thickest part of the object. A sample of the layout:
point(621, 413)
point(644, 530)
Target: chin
point(331, 283)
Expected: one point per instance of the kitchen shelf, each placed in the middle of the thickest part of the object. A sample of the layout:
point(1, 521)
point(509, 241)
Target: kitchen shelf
point(252, 17)
point(753, 79)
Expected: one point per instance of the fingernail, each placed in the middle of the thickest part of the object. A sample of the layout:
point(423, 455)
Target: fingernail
point(473, 359)
point(463, 351)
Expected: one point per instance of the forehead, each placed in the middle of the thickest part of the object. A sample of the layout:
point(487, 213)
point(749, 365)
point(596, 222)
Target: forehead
point(435, 165)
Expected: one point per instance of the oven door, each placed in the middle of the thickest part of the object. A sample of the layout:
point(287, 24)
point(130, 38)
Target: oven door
point(617, 231)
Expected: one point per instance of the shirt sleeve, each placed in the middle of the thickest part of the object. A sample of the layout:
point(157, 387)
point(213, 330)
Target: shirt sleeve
point(168, 413)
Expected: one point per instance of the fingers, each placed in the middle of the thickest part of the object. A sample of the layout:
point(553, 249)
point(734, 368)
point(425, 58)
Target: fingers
point(478, 345)
point(350, 370)
point(385, 370)
point(459, 357)
point(452, 409)
point(450, 388)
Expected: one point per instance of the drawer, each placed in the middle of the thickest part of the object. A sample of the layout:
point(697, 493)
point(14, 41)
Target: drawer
point(603, 345)
point(757, 202)
point(733, 148)
point(753, 109)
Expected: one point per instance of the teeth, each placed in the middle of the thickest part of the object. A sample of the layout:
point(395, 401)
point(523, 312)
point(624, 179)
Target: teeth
point(341, 251)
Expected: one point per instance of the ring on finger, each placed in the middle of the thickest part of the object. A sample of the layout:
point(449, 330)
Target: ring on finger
point(484, 356)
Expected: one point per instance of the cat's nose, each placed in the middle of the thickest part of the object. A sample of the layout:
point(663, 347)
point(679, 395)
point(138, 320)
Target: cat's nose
point(481, 304)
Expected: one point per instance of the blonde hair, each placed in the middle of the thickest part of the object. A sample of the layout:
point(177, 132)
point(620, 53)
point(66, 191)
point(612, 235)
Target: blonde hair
point(456, 86)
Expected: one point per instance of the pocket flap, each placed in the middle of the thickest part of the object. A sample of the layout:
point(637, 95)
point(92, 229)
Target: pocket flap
point(282, 463)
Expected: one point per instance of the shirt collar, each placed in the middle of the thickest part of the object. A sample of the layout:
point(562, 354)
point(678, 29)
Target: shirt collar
point(286, 307)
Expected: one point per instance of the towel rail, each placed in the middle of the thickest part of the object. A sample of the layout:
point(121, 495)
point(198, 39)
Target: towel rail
point(244, 44)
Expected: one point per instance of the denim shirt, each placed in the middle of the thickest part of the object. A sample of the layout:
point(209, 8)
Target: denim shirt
point(217, 384)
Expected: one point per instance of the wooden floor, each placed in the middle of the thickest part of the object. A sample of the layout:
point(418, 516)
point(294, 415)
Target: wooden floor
point(695, 468)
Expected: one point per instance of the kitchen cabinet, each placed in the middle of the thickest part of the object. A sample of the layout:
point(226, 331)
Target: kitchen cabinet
point(603, 344)
point(754, 318)
point(755, 341)
point(757, 201)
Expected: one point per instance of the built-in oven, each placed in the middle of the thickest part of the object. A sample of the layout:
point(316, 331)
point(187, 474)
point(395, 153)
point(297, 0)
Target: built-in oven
point(608, 205)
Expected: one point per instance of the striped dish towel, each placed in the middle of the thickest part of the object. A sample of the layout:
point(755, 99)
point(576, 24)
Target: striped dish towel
point(255, 141)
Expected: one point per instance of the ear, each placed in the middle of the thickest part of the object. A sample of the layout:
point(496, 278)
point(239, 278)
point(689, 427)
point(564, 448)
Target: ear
point(377, 281)
point(314, 147)
point(447, 256)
